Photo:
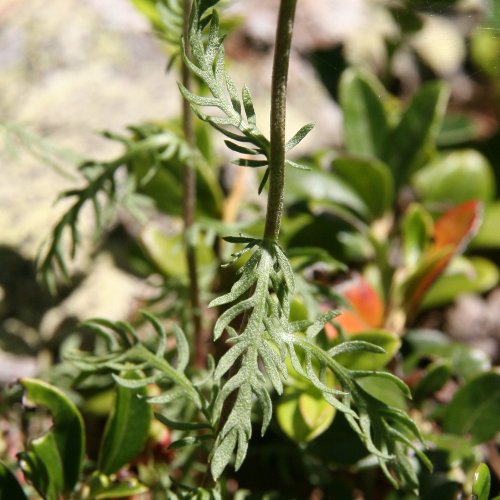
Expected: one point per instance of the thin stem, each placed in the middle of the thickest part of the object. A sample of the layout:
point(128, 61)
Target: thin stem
point(189, 207)
point(278, 119)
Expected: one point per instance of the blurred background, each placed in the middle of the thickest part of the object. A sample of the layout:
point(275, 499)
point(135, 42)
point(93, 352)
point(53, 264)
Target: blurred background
point(76, 73)
point(73, 68)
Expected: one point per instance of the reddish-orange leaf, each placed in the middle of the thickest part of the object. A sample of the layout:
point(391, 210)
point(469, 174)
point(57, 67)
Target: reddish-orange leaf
point(452, 232)
point(367, 309)
point(457, 226)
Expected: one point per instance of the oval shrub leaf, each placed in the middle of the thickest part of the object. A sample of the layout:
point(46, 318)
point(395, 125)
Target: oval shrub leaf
point(366, 126)
point(473, 275)
point(127, 428)
point(418, 127)
point(436, 376)
point(482, 482)
point(455, 178)
point(488, 235)
point(303, 414)
point(67, 430)
point(370, 179)
point(389, 341)
point(474, 409)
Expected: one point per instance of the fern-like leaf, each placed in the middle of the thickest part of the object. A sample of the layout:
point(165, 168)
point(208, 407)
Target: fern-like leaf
point(256, 359)
point(104, 191)
point(237, 119)
point(125, 351)
point(264, 273)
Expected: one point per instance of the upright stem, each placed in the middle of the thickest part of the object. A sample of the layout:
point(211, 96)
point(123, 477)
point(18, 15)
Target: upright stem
point(278, 119)
point(189, 207)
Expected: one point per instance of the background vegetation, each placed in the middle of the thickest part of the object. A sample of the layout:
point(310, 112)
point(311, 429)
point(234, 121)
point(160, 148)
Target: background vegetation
point(395, 224)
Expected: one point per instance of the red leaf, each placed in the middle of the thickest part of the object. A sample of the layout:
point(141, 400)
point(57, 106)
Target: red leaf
point(457, 226)
point(452, 232)
point(367, 309)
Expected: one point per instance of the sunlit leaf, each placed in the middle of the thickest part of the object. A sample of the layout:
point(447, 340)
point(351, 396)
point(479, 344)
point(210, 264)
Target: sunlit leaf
point(418, 127)
point(416, 228)
point(370, 179)
point(102, 487)
point(488, 235)
point(463, 275)
point(452, 232)
point(303, 414)
point(482, 482)
point(456, 177)
point(366, 308)
point(389, 341)
point(365, 121)
point(168, 251)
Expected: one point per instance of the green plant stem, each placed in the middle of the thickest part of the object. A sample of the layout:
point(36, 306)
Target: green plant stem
point(188, 209)
point(278, 119)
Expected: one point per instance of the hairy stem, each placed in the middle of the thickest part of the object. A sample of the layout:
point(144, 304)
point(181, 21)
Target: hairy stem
point(278, 118)
point(188, 209)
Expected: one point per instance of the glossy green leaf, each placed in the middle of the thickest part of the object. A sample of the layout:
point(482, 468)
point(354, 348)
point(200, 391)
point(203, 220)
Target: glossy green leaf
point(127, 428)
point(166, 252)
point(319, 185)
point(456, 129)
point(418, 127)
point(126, 489)
point(389, 341)
point(467, 362)
point(436, 376)
point(43, 466)
point(101, 486)
point(485, 50)
point(384, 390)
point(456, 177)
point(416, 228)
point(67, 431)
point(370, 179)
point(303, 414)
point(10, 489)
point(464, 275)
point(298, 309)
point(482, 482)
point(316, 412)
point(488, 235)
point(366, 126)
point(474, 409)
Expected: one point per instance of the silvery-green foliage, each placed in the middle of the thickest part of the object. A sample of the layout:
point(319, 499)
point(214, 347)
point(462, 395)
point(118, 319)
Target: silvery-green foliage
point(172, 17)
point(268, 278)
point(18, 138)
point(124, 351)
point(256, 361)
point(260, 299)
point(104, 188)
point(237, 120)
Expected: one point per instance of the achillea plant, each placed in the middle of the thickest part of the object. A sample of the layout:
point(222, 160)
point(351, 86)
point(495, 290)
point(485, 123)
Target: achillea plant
point(265, 347)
